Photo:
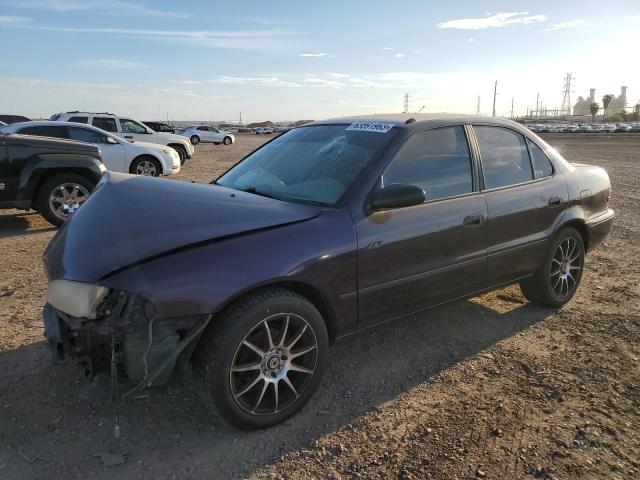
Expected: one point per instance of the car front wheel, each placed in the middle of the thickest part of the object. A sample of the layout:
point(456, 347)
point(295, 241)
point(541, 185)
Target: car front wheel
point(195, 139)
point(559, 277)
point(147, 166)
point(263, 359)
point(61, 196)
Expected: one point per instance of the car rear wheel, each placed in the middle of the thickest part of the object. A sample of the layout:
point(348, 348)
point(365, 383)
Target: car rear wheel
point(60, 197)
point(195, 139)
point(558, 279)
point(227, 140)
point(147, 166)
point(263, 359)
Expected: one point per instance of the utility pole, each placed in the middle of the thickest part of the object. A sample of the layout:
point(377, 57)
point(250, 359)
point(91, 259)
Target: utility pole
point(566, 94)
point(406, 103)
point(511, 107)
point(495, 92)
point(538, 105)
point(478, 106)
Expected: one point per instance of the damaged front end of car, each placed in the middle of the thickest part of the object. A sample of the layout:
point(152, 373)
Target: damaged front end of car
point(105, 329)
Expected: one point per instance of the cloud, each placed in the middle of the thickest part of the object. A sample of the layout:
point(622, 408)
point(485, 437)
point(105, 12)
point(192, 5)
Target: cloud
point(494, 21)
point(338, 75)
point(344, 102)
point(580, 22)
point(400, 55)
point(321, 82)
point(471, 39)
point(256, 81)
point(312, 54)
point(112, 7)
point(8, 19)
point(111, 64)
point(363, 83)
point(387, 48)
point(259, 40)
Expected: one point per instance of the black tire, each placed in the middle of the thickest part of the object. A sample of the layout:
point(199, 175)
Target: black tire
point(146, 163)
point(182, 153)
point(227, 140)
point(222, 349)
point(58, 183)
point(216, 143)
point(547, 286)
point(195, 139)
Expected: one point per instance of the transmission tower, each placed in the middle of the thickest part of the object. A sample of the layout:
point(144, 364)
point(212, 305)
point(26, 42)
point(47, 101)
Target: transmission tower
point(406, 103)
point(566, 94)
point(478, 106)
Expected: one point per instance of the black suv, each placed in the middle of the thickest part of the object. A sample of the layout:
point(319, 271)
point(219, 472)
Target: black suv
point(160, 127)
point(51, 176)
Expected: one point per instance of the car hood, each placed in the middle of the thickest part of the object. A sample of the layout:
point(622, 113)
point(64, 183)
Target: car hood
point(171, 137)
point(130, 219)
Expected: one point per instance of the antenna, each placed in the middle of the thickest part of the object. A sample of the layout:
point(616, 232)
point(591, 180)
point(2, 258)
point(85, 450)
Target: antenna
point(495, 92)
point(406, 103)
point(566, 94)
point(421, 108)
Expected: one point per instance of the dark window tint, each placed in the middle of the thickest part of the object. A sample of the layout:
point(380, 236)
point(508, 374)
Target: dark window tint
point(45, 131)
point(203, 129)
point(79, 119)
point(131, 126)
point(86, 135)
point(541, 165)
point(438, 161)
point(505, 160)
point(105, 123)
point(163, 127)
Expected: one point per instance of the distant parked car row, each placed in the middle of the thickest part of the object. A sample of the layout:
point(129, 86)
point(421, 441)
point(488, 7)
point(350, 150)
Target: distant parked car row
point(584, 128)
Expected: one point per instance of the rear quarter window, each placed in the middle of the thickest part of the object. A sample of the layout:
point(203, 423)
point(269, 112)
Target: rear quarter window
point(105, 123)
point(542, 166)
point(45, 131)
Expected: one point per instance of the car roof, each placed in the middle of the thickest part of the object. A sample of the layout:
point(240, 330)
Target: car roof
point(406, 120)
point(53, 124)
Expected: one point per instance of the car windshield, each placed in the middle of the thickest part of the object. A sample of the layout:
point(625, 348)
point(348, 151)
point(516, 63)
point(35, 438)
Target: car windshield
point(315, 164)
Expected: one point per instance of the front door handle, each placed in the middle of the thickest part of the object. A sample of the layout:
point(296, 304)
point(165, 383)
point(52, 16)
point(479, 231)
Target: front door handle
point(554, 201)
point(473, 220)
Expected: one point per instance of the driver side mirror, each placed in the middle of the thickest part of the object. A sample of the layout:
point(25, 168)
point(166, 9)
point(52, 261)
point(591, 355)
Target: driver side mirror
point(112, 141)
point(397, 196)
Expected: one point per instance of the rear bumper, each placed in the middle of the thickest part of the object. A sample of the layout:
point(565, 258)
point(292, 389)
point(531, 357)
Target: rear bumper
point(599, 228)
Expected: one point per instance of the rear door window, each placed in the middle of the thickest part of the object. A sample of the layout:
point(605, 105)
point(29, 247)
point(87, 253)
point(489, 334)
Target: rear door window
point(105, 123)
point(505, 158)
point(438, 161)
point(45, 131)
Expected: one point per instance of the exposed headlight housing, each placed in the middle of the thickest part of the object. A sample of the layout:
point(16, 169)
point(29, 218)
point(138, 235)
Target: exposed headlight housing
point(77, 299)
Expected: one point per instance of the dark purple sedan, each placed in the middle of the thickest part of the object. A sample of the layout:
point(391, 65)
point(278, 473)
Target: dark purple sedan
point(328, 229)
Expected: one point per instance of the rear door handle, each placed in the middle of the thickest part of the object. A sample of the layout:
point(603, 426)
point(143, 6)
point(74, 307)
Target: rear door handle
point(472, 220)
point(555, 200)
point(128, 136)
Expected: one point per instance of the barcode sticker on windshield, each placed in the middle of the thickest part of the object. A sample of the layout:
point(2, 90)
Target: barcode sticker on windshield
point(378, 127)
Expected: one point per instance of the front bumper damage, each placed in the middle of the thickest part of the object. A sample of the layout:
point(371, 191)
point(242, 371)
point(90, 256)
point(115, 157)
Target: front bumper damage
point(126, 334)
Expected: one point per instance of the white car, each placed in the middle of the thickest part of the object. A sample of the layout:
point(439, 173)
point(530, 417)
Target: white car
point(204, 133)
point(118, 154)
point(129, 130)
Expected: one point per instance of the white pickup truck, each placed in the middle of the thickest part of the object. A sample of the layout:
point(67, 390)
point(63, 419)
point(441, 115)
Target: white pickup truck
point(129, 129)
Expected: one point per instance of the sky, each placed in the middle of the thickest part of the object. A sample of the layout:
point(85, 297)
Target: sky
point(288, 60)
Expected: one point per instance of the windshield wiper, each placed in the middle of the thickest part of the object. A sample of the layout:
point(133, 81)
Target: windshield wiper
point(259, 192)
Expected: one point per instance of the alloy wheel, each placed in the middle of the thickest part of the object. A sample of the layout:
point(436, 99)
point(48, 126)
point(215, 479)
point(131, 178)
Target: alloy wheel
point(66, 198)
point(274, 364)
point(146, 167)
point(566, 266)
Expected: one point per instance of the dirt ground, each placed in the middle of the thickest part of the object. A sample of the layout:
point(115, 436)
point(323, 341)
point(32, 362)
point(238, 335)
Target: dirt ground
point(488, 388)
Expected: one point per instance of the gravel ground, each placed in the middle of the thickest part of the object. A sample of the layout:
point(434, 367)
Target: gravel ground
point(488, 388)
